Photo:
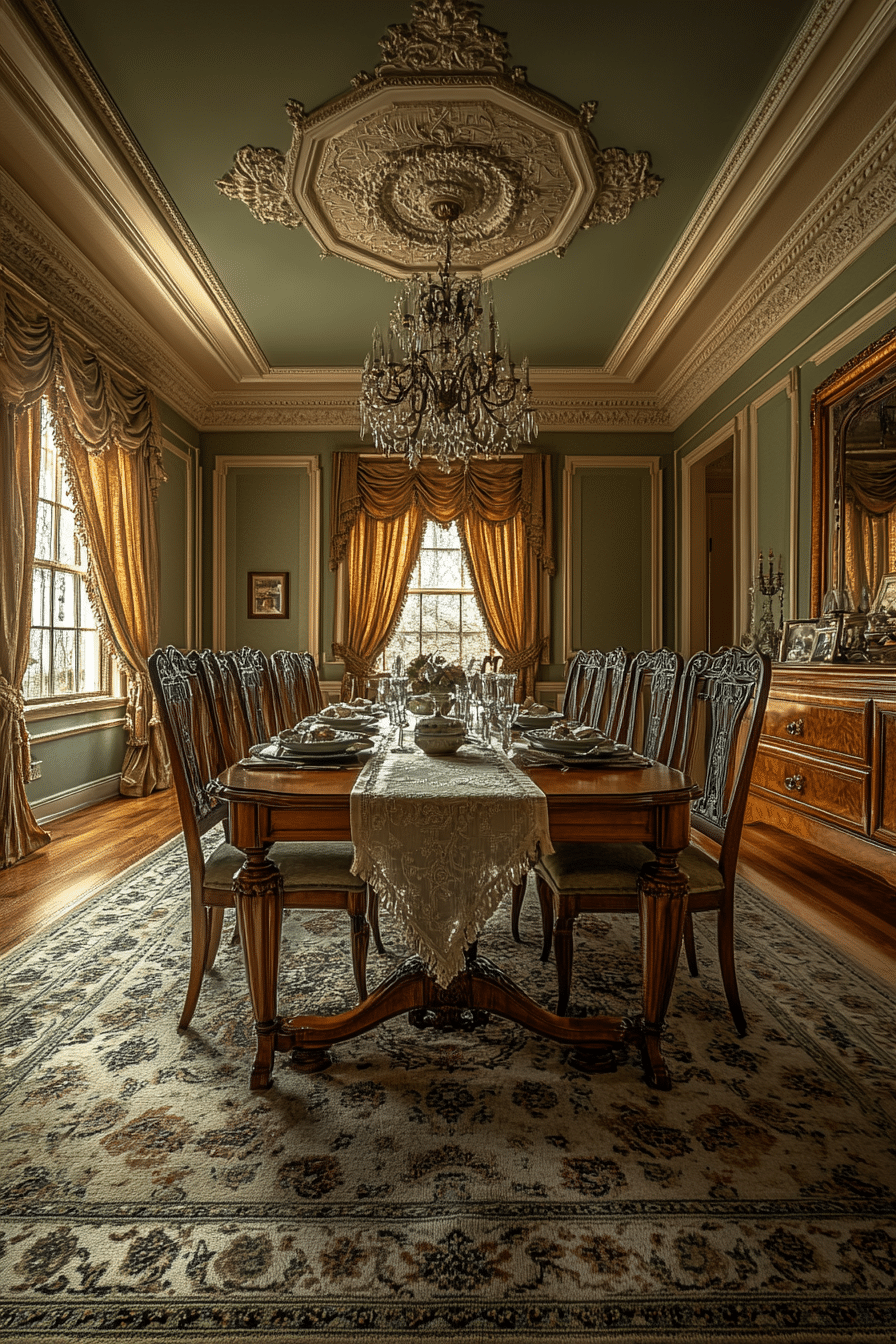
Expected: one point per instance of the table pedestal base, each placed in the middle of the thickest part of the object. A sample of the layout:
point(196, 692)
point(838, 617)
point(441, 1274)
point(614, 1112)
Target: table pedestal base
point(482, 988)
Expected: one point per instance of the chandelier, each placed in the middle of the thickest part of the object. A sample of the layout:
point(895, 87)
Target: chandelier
point(443, 385)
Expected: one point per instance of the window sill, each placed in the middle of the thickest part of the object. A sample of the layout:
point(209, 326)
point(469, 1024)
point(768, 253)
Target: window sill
point(57, 709)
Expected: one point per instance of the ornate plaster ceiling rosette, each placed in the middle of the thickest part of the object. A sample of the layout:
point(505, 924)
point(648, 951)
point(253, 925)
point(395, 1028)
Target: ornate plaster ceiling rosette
point(443, 117)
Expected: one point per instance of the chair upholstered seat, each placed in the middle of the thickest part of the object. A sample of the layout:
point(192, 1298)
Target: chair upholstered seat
point(614, 869)
point(323, 865)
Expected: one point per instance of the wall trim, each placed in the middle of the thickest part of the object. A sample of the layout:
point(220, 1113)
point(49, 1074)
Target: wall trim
point(192, 543)
point(72, 800)
point(225, 464)
point(743, 509)
point(653, 464)
point(56, 734)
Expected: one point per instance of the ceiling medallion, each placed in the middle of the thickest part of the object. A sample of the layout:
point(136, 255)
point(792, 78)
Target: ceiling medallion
point(444, 114)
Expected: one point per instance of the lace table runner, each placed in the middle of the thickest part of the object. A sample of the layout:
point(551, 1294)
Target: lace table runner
point(442, 840)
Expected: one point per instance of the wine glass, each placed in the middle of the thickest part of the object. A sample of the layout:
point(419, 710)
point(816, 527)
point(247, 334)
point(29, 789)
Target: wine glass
point(505, 690)
point(398, 704)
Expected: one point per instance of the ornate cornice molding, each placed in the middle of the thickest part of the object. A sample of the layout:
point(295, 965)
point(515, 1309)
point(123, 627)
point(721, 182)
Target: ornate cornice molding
point(80, 73)
point(308, 411)
point(854, 210)
point(35, 253)
point(645, 331)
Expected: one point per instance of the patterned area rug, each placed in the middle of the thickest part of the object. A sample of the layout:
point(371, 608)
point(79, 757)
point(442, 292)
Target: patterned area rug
point(440, 1186)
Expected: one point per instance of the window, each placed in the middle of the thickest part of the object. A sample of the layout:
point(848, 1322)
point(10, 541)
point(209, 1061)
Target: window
point(441, 614)
point(67, 656)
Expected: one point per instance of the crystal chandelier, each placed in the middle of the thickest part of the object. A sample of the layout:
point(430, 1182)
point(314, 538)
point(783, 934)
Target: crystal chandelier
point(445, 386)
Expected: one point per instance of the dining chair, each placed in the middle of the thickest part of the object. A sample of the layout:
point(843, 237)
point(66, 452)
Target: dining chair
point(257, 691)
point(230, 720)
point(606, 712)
point(296, 686)
point(594, 683)
point(719, 716)
point(647, 708)
point(316, 874)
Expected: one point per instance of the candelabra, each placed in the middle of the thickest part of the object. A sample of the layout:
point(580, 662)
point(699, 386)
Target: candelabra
point(764, 631)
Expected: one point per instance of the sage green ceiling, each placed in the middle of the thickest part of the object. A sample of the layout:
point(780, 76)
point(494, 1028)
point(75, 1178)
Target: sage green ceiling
point(197, 79)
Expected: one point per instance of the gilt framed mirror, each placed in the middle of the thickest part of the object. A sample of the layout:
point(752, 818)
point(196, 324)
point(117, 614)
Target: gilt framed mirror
point(854, 477)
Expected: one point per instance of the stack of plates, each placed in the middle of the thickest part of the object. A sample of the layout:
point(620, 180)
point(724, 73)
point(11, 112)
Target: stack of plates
point(288, 748)
point(585, 750)
point(360, 721)
point(527, 722)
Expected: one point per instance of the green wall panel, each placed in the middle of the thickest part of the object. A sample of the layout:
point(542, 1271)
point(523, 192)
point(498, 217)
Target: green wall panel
point(268, 529)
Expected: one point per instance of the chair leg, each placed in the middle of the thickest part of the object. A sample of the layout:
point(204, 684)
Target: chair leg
point(690, 947)
point(546, 901)
point(357, 905)
point(215, 925)
point(725, 934)
point(516, 905)
point(373, 918)
point(563, 958)
point(199, 943)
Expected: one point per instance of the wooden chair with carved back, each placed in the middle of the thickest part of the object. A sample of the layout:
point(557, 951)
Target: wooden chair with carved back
point(257, 692)
point(646, 714)
point(719, 716)
point(296, 686)
point(606, 712)
point(316, 875)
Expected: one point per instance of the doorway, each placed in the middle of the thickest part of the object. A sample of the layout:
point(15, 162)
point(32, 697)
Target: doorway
point(709, 552)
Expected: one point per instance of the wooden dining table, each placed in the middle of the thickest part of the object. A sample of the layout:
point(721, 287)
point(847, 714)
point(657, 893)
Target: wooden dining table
point(601, 805)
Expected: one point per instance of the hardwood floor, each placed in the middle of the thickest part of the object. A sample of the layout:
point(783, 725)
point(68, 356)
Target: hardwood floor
point(88, 848)
point(857, 911)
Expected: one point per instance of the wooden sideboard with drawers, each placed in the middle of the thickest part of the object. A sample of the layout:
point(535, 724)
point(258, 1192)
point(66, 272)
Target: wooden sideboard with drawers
point(826, 766)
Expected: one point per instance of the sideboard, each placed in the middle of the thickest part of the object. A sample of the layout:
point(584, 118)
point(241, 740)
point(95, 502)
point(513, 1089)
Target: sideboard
point(826, 766)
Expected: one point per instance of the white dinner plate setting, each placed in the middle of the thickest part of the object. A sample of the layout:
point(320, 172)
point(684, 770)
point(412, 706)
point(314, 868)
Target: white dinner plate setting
point(274, 755)
point(545, 740)
point(348, 723)
point(527, 722)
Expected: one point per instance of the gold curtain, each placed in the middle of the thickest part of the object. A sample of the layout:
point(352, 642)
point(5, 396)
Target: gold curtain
point(377, 511)
point(19, 476)
point(113, 458)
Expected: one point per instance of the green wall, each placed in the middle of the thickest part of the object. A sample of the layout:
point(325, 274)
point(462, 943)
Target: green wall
point(850, 312)
point(256, 523)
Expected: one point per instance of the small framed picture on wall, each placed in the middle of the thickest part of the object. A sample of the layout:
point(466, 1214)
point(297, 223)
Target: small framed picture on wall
point(268, 595)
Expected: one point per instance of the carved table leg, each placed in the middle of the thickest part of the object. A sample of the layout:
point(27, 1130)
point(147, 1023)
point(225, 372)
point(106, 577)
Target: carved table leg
point(662, 906)
point(259, 909)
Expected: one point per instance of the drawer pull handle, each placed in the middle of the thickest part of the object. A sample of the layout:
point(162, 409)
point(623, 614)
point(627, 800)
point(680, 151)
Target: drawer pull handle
point(794, 783)
point(795, 728)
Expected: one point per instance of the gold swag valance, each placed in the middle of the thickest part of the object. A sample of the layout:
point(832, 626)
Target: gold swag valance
point(503, 508)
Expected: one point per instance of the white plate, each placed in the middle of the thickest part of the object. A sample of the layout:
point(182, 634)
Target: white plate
point(342, 743)
point(530, 721)
point(350, 724)
point(572, 746)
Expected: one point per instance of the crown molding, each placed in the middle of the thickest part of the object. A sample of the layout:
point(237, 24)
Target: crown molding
point(56, 89)
point(39, 261)
point(650, 325)
point(845, 219)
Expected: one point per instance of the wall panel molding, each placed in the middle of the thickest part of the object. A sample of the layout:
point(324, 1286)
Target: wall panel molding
point(573, 473)
point(225, 465)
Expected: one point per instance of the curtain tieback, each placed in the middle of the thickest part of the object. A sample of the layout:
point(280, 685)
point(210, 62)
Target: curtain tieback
point(11, 699)
point(514, 662)
point(355, 664)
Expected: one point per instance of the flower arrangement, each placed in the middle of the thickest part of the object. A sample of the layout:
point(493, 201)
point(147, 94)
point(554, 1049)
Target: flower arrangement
point(431, 672)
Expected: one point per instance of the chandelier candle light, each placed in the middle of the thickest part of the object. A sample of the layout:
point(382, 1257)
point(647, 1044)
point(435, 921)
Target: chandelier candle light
point(451, 390)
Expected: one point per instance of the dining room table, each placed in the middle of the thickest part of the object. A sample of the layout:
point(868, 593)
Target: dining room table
point(447, 983)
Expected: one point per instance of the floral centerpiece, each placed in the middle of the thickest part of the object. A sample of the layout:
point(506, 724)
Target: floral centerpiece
point(431, 674)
